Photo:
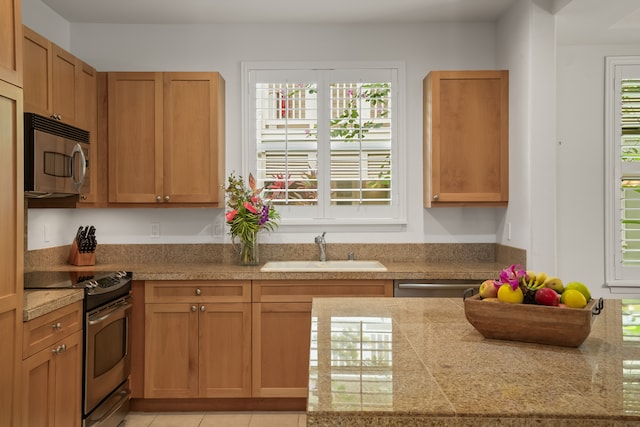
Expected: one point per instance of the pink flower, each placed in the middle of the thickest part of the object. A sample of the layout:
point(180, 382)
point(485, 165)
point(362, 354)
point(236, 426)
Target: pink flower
point(231, 214)
point(248, 206)
point(512, 275)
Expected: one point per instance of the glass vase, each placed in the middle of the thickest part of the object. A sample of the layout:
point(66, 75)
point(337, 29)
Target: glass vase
point(248, 251)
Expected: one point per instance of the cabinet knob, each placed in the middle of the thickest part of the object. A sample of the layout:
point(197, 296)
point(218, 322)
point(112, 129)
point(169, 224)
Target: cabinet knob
point(166, 198)
point(158, 198)
point(202, 308)
point(193, 308)
point(83, 197)
point(57, 326)
point(436, 197)
point(198, 291)
point(59, 349)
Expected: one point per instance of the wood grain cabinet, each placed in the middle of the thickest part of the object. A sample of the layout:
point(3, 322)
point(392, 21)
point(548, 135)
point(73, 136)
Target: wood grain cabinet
point(52, 369)
point(197, 339)
point(11, 42)
point(166, 138)
point(466, 132)
point(50, 75)
point(282, 326)
point(11, 251)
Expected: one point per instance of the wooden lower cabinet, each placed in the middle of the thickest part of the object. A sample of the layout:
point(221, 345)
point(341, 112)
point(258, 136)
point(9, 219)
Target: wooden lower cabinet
point(200, 348)
point(52, 385)
point(281, 329)
point(247, 342)
point(52, 351)
point(281, 335)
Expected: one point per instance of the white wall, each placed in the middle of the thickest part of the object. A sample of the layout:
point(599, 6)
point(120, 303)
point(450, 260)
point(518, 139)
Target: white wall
point(580, 169)
point(222, 47)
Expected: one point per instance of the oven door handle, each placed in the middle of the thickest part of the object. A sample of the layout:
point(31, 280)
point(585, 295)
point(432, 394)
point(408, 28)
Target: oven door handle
point(122, 307)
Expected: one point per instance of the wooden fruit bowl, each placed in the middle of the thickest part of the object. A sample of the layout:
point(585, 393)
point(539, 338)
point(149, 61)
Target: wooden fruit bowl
point(566, 327)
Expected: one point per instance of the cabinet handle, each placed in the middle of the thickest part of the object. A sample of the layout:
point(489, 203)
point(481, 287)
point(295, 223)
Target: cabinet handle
point(158, 199)
point(166, 198)
point(59, 349)
point(193, 308)
point(198, 291)
point(202, 308)
point(83, 197)
point(436, 197)
point(56, 326)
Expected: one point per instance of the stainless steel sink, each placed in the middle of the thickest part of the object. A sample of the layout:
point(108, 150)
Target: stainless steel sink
point(310, 266)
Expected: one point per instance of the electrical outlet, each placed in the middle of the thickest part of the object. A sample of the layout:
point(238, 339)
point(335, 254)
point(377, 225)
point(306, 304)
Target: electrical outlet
point(155, 230)
point(509, 230)
point(46, 233)
point(217, 229)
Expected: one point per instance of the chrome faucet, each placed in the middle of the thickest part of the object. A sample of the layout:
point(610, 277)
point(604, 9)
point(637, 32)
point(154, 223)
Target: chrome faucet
point(322, 244)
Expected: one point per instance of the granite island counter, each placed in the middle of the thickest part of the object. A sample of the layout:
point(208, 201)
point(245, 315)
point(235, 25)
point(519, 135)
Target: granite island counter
point(419, 362)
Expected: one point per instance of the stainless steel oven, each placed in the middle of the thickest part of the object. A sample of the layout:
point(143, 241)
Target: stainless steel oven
point(107, 363)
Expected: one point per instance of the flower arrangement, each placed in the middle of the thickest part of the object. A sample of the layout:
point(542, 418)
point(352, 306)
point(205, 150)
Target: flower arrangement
point(248, 214)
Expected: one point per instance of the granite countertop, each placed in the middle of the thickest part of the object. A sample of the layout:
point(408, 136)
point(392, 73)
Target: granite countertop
point(41, 302)
point(215, 271)
point(422, 363)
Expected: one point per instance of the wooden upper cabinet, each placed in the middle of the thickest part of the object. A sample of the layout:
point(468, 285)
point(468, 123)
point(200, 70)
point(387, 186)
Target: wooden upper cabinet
point(53, 80)
point(193, 137)
point(11, 42)
point(37, 73)
point(166, 138)
point(135, 137)
point(466, 138)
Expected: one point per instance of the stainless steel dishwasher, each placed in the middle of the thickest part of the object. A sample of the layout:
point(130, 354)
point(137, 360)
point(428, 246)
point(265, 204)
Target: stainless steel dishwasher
point(433, 288)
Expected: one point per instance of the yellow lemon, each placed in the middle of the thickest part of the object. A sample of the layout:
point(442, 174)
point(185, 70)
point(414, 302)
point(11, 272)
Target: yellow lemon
point(507, 294)
point(580, 287)
point(573, 298)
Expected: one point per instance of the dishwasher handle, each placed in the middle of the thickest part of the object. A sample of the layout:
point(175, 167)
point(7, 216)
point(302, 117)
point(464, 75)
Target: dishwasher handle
point(436, 286)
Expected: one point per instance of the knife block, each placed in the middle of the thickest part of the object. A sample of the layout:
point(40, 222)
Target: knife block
point(80, 258)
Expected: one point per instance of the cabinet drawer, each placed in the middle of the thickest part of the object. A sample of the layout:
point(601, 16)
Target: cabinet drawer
point(304, 291)
point(198, 291)
point(45, 330)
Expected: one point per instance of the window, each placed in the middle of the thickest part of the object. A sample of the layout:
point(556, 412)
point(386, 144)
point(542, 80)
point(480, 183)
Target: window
point(623, 166)
point(324, 141)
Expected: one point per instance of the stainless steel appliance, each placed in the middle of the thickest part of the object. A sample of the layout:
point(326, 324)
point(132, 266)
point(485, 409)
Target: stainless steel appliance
point(433, 288)
point(107, 340)
point(55, 158)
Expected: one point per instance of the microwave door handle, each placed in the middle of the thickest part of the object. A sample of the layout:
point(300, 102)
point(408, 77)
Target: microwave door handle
point(77, 150)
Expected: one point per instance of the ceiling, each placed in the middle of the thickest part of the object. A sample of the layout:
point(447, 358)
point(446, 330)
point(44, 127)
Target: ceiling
point(276, 11)
point(578, 21)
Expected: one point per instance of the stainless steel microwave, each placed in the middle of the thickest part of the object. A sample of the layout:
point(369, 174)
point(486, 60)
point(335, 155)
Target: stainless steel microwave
point(56, 158)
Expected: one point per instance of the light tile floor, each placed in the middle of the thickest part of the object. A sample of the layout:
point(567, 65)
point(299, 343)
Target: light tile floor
point(216, 419)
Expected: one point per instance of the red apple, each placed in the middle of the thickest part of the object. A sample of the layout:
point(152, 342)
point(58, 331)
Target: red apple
point(547, 296)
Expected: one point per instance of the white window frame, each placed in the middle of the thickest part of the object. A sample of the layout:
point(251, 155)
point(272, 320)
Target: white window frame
point(616, 69)
point(358, 216)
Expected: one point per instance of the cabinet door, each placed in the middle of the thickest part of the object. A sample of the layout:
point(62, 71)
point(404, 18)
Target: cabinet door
point(193, 137)
point(37, 73)
point(11, 251)
point(11, 42)
point(64, 68)
point(171, 351)
point(68, 382)
point(135, 137)
point(52, 381)
point(280, 359)
point(466, 138)
point(39, 391)
point(225, 350)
